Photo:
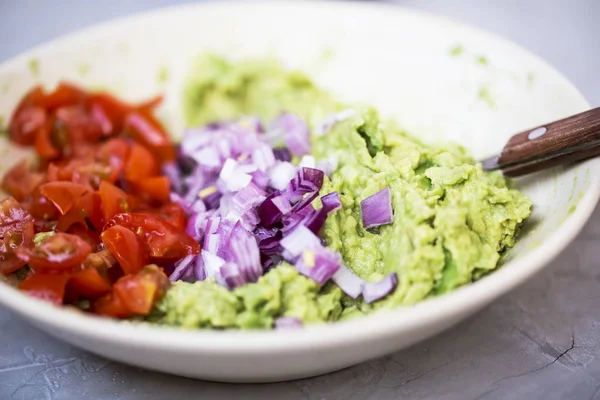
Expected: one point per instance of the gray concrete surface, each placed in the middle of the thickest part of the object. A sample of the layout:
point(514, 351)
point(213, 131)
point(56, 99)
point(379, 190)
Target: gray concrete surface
point(541, 341)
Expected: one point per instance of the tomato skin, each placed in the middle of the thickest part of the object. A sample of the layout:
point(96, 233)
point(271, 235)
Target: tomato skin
point(126, 247)
point(64, 195)
point(88, 282)
point(164, 241)
point(64, 95)
point(114, 200)
point(45, 286)
point(20, 182)
point(141, 164)
point(173, 213)
point(43, 142)
point(28, 117)
point(16, 230)
point(79, 124)
point(150, 104)
point(140, 292)
point(134, 294)
point(113, 109)
point(145, 129)
point(155, 189)
point(115, 154)
point(59, 252)
point(110, 306)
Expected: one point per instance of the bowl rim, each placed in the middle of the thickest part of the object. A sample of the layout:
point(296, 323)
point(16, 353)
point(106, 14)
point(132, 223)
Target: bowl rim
point(380, 325)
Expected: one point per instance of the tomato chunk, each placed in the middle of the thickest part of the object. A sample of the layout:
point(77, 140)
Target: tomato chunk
point(155, 189)
point(64, 195)
point(59, 252)
point(45, 286)
point(20, 182)
point(16, 230)
point(88, 282)
point(126, 247)
point(141, 164)
point(164, 241)
point(113, 199)
point(134, 294)
point(147, 130)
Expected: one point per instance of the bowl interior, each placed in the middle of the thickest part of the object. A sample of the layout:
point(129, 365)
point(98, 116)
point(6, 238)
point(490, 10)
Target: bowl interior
point(439, 79)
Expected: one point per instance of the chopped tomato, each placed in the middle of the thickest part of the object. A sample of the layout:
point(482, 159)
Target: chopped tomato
point(28, 117)
point(59, 252)
point(113, 109)
point(89, 235)
point(111, 305)
point(134, 294)
point(147, 130)
point(150, 104)
point(99, 163)
point(141, 164)
point(78, 125)
point(20, 182)
point(64, 95)
point(126, 247)
point(64, 195)
point(140, 292)
point(87, 210)
point(173, 213)
point(115, 154)
point(114, 200)
point(43, 142)
point(45, 286)
point(89, 282)
point(155, 189)
point(40, 207)
point(16, 230)
point(165, 242)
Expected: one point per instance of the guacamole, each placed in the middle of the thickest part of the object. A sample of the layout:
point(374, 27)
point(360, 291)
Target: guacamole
point(452, 220)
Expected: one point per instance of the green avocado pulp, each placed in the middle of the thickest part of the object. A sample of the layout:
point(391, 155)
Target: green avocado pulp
point(452, 221)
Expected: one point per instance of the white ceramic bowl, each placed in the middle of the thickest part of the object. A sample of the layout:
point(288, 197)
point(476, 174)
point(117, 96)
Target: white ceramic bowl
point(396, 59)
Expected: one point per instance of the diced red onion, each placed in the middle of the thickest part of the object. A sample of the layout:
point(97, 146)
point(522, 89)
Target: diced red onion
point(182, 268)
point(234, 176)
point(282, 154)
point(273, 208)
point(331, 202)
point(307, 161)
point(319, 264)
point(376, 209)
point(295, 133)
point(287, 323)
point(298, 240)
point(373, 291)
point(263, 157)
point(212, 265)
point(281, 174)
point(199, 271)
point(171, 170)
point(347, 280)
point(244, 252)
point(231, 275)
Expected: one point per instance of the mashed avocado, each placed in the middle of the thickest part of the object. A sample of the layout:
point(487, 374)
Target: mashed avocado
point(452, 221)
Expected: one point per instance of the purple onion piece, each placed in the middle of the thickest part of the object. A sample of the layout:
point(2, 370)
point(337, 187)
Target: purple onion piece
point(331, 202)
point(287, 323)
point(319, 265)
point(282, 154)
point(376, 209)
point(373, 291)
point(295, 133)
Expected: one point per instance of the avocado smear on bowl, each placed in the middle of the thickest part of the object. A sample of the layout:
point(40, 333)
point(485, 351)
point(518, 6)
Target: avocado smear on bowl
point(451, 220)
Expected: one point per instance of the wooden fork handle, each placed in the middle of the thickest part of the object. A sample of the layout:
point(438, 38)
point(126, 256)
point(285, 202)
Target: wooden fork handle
point(567, 140)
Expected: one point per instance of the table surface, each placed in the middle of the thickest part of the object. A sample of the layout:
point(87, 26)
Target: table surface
point(540, 341)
